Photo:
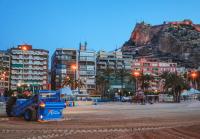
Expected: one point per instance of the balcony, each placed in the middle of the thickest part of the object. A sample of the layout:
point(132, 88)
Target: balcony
point(88, 59)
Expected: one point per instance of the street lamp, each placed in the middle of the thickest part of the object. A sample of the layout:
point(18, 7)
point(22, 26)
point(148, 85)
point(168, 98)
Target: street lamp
point(74, 68)
point(194, 76)
point(136, 74)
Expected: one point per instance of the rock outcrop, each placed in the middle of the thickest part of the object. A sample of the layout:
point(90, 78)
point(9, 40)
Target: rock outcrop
point(176, 41)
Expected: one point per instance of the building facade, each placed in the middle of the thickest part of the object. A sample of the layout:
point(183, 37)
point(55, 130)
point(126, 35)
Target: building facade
point(87, 69)
point(61, 66)
point(29, 67)
point(154, 68)
point(113, 62)
point(4, 71)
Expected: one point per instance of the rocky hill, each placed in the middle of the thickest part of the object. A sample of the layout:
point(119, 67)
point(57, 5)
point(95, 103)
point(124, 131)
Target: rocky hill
point(175, 41)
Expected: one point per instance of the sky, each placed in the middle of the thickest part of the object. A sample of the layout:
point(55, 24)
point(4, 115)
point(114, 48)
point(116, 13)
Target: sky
point(104, 24)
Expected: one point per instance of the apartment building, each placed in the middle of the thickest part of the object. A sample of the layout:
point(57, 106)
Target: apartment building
point(113, 61)
point(87, 69)
point(154, 68)
point(4, 71)
point(29, 67)
point(61, 66)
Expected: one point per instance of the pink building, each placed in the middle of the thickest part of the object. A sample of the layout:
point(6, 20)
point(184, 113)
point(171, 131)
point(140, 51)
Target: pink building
point(151, 67)
point(154, 68)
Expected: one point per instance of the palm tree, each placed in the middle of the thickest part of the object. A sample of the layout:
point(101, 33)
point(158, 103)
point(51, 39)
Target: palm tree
point(175, 83)
point(122, 74)
point(79, 84)
point(73, 83)
point(103, 80)
point(68, 81)
point(132, 80)
point(145, 81)
point(100, 83)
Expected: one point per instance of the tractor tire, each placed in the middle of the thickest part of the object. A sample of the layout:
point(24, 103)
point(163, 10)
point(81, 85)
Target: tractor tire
point(30, 114)
point(9, 105)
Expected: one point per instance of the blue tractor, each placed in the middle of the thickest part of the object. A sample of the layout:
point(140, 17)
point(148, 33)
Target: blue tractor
point(46, 105)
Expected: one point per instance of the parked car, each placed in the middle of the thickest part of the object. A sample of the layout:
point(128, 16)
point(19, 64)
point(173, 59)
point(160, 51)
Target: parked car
point(126, 99)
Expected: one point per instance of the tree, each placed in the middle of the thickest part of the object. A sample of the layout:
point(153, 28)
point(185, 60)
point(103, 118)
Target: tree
point(145, 81)
point(68, 81)
point(103, 79)
point(100, 83)
point(176, 83)
point(73, 83)
point(121, 74)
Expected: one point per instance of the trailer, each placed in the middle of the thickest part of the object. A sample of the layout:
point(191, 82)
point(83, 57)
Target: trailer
point(46, 105)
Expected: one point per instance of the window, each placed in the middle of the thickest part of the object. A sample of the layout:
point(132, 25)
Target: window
point(146, 64)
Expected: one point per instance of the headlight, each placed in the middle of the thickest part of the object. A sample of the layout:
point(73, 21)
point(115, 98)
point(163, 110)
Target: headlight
point(41, 116)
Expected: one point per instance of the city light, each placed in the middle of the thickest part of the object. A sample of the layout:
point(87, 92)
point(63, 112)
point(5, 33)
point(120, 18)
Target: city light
point(136, 74)
point(24, 48)
point(73, 67)
point(19, 84)
point(193, 75)
point(68, 77)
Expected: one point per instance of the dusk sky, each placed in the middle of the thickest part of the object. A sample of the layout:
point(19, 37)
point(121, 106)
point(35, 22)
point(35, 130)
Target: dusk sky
point(104, 24)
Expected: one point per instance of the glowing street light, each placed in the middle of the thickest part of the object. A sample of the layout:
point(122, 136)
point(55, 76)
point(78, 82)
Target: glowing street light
point(194, 75)
point(136, 74)
point(19, 84)
point(73, 67)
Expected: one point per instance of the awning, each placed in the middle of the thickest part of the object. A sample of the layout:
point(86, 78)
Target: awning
point(192, 91)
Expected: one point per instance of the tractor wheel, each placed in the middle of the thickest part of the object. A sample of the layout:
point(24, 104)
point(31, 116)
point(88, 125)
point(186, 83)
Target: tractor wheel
point(30, 115)
point(9, 104)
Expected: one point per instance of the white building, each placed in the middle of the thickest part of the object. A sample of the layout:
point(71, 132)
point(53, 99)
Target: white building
point(29, 67)
point(86, 69)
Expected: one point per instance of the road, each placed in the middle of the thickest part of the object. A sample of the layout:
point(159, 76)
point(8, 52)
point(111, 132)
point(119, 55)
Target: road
point(112, 120)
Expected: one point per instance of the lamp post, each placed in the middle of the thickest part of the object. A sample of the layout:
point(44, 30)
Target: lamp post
point(136, 74)
point(194, 76)
point(74, 69)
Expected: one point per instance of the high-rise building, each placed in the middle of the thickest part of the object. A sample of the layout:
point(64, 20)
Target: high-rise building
point(4, 71)
point(62, 63)
point(29, 67)
point(109, 64)
point(87, 69)
point(113, 60)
